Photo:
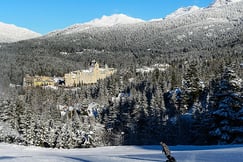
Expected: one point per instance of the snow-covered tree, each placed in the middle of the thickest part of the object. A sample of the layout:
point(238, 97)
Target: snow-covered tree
point(192, 88)
point(226, 104)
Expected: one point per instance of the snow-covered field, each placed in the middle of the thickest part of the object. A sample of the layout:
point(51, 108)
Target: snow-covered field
point(232, 153)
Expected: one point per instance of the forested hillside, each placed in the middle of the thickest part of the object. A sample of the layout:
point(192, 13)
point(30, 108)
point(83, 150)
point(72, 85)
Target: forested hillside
point(197, 100)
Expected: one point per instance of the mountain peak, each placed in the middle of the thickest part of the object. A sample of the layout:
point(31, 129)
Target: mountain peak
point(218, 3)
point(183, 11)
point(104, 21)
point(12, 33)
point(112, 20)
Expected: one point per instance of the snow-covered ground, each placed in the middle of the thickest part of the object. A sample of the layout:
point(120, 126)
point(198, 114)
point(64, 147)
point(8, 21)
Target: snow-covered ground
point(232, 153)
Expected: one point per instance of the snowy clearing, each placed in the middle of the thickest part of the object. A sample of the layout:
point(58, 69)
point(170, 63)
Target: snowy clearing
point(16, 153)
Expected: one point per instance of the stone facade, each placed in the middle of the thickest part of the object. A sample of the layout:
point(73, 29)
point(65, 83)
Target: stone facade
point(72, 79)
point(35, 81)
point(90, 76)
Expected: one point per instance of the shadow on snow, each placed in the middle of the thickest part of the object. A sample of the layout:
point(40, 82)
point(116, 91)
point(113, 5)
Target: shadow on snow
point(147, 157)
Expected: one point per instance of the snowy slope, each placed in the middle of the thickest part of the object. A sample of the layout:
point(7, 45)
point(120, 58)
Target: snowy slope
point(113, 20)
point(218, 11)
point(12, 33)
point(13, 153)
point(218, 3)
point(104, 21)
point(183, 11)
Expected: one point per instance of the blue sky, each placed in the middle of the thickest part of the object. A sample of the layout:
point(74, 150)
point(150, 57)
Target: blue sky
point(44, 16)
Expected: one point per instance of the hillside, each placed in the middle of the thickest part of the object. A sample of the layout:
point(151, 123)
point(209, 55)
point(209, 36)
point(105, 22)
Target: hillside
point(205, 32)
point(197, 99)
point(145, 35)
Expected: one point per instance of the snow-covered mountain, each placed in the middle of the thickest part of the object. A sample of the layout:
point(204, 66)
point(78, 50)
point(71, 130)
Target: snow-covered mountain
point(113, 20)
point(218, 11)
point(12, 33)
point(187, 24)
point(104, 21)
point(218, 3)
point(195, 10)
point(183, 11)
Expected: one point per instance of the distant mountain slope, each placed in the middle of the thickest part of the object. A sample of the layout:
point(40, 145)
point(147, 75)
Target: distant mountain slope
point(183, 11)
point(220, 9)
point(104, 21)
point(113, 39)
point(12, 33)
point(116, 19)
point(185, 28)
point(218, 3)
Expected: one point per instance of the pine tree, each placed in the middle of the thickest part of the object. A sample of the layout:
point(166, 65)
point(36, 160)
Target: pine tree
point(226, 105)
point(192, 87)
